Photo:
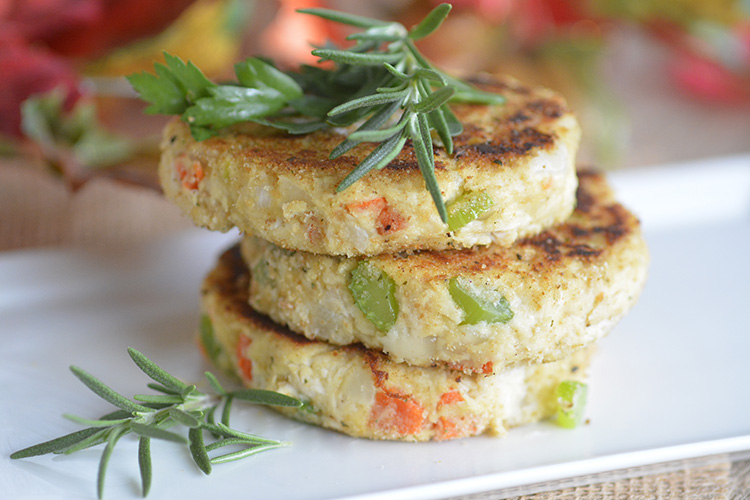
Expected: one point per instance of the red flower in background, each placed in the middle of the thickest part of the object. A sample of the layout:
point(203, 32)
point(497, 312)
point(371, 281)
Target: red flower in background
point(112, 24)
point(40, 38)
point(494, 11)
point(709, 80)
point(708, 69)
point(87, 28)
point(27, 71)
point(711, 64)
point(531, 21)
point(38, 19)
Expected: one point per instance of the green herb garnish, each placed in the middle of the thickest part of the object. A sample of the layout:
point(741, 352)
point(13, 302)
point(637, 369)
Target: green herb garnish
point(149, 417)
point(382, 82)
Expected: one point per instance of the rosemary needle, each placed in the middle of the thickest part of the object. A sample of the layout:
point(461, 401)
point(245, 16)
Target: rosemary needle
point(181, 404)
point(381, 84)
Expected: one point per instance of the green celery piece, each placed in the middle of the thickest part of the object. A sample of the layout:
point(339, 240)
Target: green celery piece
point(208, 340)
point(571, 401)
point(467, 207)
point(374, 293)
point(479, 305)
point(260, 273)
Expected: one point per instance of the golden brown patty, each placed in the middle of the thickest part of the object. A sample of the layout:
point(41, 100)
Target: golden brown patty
point(564, 288)
point(282, 188)
point(361, 392)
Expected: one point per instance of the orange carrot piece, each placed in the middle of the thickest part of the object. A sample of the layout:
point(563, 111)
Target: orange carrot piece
point(389, 221)
point(190, 173)
point(243, 362)
point(375, 204)
point(446, 429)
point(450, 397)
point(398, 414)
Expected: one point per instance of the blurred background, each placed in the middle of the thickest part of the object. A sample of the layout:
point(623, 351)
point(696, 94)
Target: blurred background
point(652, 81)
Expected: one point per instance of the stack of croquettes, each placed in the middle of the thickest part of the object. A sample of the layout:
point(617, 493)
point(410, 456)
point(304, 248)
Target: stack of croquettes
point(387, 322)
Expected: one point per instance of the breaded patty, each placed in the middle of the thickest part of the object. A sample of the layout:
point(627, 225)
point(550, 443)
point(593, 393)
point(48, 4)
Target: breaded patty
point(512, 171)
point(361, 392)
point(478, 310)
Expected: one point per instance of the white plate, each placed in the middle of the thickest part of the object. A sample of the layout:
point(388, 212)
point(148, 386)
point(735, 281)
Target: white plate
point(671, 382)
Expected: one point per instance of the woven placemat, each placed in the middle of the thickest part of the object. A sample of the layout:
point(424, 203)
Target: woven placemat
point(39, 211)
point(724, 476)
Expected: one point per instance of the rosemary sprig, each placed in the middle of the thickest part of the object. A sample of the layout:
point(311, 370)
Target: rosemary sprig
point(149, 417)
point(382, 85)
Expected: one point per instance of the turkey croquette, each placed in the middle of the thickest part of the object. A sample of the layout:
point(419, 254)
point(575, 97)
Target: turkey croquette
point(361, 392)
point(512, 174)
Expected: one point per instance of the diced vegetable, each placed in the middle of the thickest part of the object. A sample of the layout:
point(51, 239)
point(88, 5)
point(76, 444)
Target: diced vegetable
point(375, 205)
point(374, 293)
point(397, 414)
point(467, 207)
point(447, 429)
point(308, 407)
point(260, 273)
point(211, 347)
point(244, 363)
point(479, 304)
point(387, 220)
point(189, 171)
point(450, 397)
point(571, 401)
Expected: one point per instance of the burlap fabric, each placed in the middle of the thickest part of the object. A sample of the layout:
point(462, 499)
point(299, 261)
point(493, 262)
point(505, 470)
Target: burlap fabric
point(39, 211)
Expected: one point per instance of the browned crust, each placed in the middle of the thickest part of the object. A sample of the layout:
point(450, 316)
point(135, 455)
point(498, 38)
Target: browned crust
point(480, 407)
point(590, 235)
point(494, 136)
point(230, 280)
